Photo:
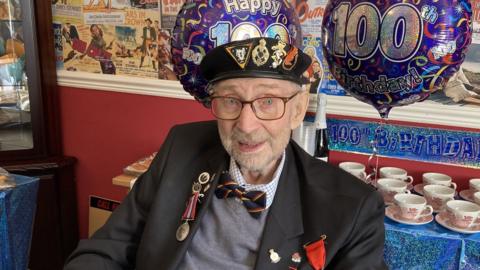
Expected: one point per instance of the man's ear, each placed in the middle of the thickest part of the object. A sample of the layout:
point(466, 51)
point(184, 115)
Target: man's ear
point(299, 109)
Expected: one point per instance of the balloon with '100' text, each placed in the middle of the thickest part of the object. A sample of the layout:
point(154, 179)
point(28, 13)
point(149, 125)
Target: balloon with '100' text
point(394, 53)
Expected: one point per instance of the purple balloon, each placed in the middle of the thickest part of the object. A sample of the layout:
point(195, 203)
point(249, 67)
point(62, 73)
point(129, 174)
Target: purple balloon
point(202, 25)
point(391, 53)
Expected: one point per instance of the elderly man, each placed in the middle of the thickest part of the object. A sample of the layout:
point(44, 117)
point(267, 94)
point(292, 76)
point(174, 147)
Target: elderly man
point(238, 193)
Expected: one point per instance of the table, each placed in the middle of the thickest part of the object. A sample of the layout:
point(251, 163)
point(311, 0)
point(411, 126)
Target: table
point(429, 246)
point(17, 212)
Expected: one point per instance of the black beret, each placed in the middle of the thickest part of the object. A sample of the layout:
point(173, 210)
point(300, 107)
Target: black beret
point(255, 57)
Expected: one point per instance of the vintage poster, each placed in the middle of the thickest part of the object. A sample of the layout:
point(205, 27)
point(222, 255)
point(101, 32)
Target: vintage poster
point(470, 78)
point(318, 76)
point(476, 21)
point(170, 10)
point(117, 37)
point(68, 11)
point(145, 4)
point(310, 14)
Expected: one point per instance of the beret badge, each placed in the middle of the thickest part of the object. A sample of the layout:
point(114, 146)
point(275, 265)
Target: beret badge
point(260, 57)
point(240, 53)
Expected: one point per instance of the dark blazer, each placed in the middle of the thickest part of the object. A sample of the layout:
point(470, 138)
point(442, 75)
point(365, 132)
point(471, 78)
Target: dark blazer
point(312, 199)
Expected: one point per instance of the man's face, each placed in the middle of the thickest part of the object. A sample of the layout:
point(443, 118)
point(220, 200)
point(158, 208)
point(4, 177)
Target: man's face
point(257, 144)
point(95, 31)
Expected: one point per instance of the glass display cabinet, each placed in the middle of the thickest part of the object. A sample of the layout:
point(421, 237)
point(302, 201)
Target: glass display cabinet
point(30, 141)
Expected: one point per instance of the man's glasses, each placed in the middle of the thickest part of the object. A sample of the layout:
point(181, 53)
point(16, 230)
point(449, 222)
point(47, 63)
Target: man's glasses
point(265, 108)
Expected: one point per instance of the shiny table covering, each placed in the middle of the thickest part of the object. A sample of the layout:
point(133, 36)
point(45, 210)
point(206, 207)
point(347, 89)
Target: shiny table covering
point(17, 212)
point(429, 246)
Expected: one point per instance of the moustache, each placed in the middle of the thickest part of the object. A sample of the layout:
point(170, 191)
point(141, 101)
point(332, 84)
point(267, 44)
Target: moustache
point(249, 138)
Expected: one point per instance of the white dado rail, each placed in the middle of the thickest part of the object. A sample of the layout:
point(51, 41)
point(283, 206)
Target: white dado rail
point(427, 112)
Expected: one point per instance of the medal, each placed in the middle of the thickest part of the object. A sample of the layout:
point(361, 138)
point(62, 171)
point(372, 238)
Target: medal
point(182, 231)
point(191, 209)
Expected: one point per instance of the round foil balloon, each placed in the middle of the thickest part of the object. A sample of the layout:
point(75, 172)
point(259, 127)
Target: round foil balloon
point(202, 25)
point(395, 52)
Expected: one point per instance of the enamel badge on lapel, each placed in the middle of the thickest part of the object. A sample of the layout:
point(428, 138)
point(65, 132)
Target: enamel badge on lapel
point(199, 187)
point(274, 257)
point(296, 259)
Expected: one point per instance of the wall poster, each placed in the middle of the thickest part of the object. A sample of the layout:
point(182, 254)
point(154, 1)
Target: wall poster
point(118, 37)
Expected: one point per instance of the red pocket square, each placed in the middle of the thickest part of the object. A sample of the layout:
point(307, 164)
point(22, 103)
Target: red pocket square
point(316, 253)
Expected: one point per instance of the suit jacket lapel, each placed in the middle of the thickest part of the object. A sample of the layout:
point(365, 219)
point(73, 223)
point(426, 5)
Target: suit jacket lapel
point(284, 225)
point(217, 161)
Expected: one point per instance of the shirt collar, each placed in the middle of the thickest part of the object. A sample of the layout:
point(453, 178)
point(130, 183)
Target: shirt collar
point(269, 188)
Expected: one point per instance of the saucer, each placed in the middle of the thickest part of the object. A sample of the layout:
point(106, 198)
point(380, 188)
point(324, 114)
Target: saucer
point(418, 188)
point(467, 195)
point(393, 211)
point(442, 219)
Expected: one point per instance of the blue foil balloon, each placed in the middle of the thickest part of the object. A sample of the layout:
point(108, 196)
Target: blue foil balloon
point(202, 25)
point(395, 52)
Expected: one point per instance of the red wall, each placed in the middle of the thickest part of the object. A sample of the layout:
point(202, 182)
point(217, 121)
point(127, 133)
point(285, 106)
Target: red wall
point(106, 131)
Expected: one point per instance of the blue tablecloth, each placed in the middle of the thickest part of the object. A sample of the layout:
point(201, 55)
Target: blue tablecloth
point(429, 246)
point(17, 212)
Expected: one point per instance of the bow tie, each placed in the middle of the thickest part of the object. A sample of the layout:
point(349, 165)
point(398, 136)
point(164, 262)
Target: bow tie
point(254, 200)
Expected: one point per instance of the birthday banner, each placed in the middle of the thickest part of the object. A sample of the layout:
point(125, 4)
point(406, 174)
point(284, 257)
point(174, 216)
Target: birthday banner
point(405, 142)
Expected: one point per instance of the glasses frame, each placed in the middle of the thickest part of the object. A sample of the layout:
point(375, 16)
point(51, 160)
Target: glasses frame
point(284, 99)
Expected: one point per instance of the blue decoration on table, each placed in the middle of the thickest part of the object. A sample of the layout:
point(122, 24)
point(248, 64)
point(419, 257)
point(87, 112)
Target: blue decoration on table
point(17, 212)
point(429, 246)
point(406, 142)
point(394, 52)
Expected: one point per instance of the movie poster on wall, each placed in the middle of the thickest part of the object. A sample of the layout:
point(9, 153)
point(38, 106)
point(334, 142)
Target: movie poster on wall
point(476, 21)
point(471, 65)
point(117, 37)
point(170, 10)
point(318, 76)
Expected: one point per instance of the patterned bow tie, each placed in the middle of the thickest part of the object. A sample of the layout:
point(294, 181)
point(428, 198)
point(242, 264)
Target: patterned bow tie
point(254, 200)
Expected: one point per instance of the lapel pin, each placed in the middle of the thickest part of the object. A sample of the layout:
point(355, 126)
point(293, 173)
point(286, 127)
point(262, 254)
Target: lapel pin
point(274, 257)
point(296, 257)
point(203, 178)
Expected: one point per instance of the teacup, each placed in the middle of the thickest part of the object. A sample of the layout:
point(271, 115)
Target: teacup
point(397, 173)
point(463, 214)
point(433, 178)
point(476, 197)
point(474, 184)
point(412, 206)
point(437, 195)
point(389, 187)
point(355, 168)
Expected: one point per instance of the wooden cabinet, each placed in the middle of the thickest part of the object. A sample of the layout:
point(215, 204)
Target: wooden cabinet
point(55, 230)
point(30, 142)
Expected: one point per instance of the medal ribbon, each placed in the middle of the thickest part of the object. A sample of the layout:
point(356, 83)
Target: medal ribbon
point(191, 210)
point(316, 253)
